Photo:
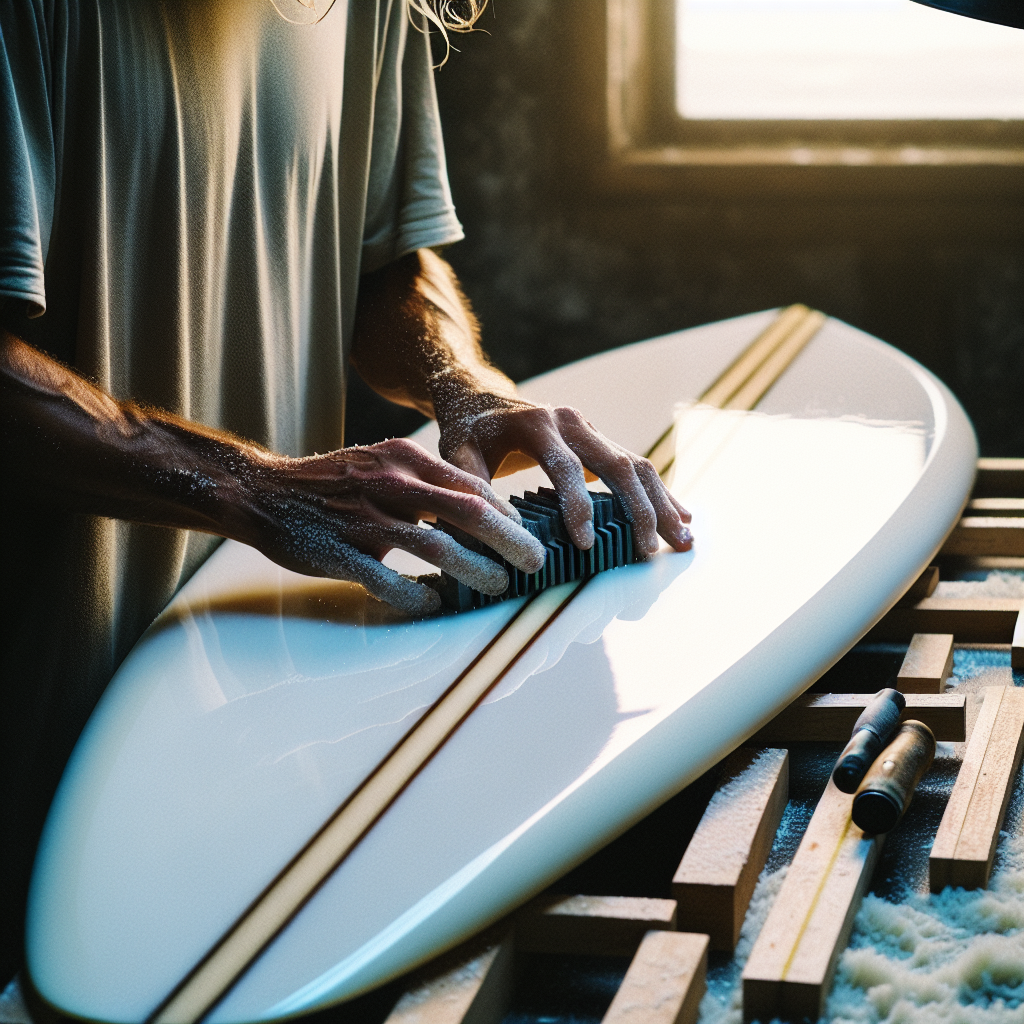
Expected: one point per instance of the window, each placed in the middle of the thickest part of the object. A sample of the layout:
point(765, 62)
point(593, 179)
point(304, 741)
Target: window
point(829, 83)
point(843, 60)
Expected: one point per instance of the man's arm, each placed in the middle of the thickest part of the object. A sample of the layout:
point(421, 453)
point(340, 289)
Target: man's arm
point(67, 442)
point(417, 343)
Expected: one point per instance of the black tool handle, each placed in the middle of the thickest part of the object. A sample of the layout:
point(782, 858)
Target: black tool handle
point(876, 725)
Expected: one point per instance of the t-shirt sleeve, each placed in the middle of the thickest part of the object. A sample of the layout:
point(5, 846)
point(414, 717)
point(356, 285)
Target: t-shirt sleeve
point(27, 158)
point(409, 203)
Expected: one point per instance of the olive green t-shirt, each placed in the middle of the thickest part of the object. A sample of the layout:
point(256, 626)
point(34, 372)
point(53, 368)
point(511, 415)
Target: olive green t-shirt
point(190, 190)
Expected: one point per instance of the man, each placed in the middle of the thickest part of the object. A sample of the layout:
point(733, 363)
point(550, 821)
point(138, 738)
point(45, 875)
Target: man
point(208, 211)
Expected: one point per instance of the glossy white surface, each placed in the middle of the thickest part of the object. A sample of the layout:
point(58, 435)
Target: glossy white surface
point(246, 715)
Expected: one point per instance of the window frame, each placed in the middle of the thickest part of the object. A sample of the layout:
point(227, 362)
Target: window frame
point(651, 147)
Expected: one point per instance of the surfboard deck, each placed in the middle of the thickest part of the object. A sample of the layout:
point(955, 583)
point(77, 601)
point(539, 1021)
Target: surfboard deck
point(260, 700)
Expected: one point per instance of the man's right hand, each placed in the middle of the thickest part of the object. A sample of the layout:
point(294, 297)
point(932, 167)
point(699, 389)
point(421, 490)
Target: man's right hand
point(337, 515)
point(69, 444)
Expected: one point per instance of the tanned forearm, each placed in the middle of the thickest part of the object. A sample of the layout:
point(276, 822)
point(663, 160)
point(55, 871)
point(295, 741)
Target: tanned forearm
point(417, 341)
point(69, 444)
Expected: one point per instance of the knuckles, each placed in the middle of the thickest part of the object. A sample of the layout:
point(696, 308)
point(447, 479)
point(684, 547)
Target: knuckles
point(402, 448)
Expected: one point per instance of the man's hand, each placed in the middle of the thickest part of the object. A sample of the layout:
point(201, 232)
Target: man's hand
point(67, 443)
point(417, 343)
point(491, 435)
point(338, 514)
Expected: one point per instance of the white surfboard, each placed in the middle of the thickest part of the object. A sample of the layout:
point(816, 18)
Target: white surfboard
point(195, 863)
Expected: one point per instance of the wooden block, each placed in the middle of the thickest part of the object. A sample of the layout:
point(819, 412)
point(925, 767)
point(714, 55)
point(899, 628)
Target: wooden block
point(601, 925)
point(1017, 643)
point(924, 586)
point(459, 988)
point(665, 981)
point(983, 620)
point(966, 840)
point(791, 966)
point(830, 717)
point(718, 872)
point(995, 507)
point(986, 535)
point(999, 478)
point(927, 663)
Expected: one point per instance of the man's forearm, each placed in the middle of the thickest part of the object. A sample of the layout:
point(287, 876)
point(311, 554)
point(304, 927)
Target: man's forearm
point(68, 442)
point(416, 341)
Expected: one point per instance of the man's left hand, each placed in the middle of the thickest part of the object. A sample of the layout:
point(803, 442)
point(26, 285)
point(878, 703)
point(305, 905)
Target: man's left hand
point(492, 435)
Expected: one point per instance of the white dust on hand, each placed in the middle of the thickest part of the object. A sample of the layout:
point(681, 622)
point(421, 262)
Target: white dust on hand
point(478, 571)
point(512, 541)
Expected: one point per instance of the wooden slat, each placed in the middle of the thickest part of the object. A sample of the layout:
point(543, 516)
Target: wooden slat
point(924, 586)
point(665, 981)
point(965, 843)
point(999, 478)
point(599, 925)
point(830, 717)
point(927, 663)
point(986, 535)
point(983, 620)
point(460, 989)
point(793, 960)
point(718, 872)
point(995, 507)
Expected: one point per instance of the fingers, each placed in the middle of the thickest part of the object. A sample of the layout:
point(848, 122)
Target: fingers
point(468, 512)
point(650, 506)
point(375, 533)
point(341, 560)
point(565, 471)
point(466, 472)
point(671, 516)
point(477, 518)
point(469, 567)
point(348, 563)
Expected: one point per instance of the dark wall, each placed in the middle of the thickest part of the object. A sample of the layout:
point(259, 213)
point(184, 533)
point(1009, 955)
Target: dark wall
point(558, 270)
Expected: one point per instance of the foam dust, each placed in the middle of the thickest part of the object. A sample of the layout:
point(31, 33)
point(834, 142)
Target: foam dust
point(956, 956)
point(999, 583)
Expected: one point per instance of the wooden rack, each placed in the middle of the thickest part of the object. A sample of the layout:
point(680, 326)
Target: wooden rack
point(790, 969)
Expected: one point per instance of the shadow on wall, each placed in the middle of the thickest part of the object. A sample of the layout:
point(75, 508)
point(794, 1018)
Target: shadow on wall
point(557, 272)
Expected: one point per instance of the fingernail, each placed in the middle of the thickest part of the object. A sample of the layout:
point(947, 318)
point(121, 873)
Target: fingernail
point(685, 537)
point(588, 534)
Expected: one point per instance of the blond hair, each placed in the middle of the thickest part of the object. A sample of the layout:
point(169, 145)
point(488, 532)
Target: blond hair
point(448, 16)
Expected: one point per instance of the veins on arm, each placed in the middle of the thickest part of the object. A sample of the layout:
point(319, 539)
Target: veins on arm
point(68, 442)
